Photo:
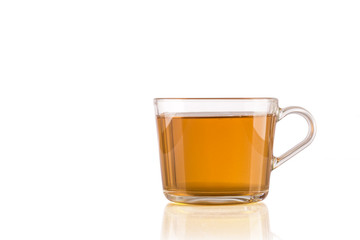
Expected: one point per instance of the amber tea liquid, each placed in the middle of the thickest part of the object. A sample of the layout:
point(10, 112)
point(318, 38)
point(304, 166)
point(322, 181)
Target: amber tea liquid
point(216, 154)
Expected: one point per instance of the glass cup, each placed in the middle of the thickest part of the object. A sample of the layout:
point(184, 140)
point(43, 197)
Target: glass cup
point(220, 150)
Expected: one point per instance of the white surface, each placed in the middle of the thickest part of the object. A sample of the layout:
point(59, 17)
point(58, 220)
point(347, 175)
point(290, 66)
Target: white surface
point(78, 145)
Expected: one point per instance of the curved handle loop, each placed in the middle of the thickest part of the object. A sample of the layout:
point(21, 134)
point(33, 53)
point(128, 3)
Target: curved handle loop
point(277, 161)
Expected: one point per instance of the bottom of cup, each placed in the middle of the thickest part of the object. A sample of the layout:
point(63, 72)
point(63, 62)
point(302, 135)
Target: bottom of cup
point(230, 199)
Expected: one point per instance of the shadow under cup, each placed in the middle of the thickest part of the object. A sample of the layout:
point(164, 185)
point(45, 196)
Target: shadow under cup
point(217, 151)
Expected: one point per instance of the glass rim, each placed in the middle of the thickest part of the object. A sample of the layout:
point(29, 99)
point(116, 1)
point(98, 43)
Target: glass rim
point(247, 98)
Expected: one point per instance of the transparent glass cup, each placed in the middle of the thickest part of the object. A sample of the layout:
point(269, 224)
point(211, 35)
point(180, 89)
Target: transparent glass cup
point(220, 150)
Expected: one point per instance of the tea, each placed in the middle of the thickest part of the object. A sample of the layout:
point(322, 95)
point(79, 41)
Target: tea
point(216, 154)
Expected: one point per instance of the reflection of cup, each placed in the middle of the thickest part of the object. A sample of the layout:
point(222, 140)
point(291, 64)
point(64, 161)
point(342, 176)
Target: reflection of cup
point(250, 221)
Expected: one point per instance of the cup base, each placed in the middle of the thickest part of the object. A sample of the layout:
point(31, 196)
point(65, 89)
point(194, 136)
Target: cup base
point(213, 200)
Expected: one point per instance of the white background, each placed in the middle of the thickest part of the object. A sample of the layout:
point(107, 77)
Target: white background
point(78, 145)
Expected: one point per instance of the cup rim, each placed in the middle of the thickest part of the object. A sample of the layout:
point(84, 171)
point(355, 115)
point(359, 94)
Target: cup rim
point(194, 99)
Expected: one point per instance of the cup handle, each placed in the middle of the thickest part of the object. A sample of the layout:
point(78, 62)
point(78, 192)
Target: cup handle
point(283, 112)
